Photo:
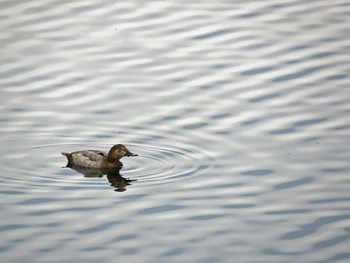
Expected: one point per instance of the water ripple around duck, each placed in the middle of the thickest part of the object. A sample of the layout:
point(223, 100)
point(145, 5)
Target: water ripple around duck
point(153, 165)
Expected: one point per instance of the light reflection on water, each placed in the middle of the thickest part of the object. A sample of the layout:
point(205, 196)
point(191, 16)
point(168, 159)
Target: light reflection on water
point(238, 111)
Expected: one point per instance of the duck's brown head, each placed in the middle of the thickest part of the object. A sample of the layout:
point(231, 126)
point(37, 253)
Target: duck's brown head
point(118, 151)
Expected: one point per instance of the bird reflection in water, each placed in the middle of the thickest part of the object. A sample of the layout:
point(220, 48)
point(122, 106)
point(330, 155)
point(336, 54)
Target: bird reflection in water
point(113, 175)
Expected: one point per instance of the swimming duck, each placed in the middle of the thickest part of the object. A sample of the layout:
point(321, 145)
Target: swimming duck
point(98, 159)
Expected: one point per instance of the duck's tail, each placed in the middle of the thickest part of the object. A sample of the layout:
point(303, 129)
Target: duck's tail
point(69, 157)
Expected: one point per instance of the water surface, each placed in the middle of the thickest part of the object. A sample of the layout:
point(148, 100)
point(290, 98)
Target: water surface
point(239, 113)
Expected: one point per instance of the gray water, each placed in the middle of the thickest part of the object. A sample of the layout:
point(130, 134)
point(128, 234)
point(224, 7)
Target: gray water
point(239, 111)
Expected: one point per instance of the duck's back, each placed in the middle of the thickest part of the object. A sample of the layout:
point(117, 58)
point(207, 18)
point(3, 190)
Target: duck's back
point(89, 158)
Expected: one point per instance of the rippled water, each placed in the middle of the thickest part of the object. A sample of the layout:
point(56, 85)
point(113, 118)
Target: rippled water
point(239, 112)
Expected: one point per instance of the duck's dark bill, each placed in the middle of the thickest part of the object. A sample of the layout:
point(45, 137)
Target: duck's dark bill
point(130, 154)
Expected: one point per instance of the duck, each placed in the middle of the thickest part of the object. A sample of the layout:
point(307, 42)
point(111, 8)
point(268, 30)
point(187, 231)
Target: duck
point(97, 159)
